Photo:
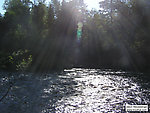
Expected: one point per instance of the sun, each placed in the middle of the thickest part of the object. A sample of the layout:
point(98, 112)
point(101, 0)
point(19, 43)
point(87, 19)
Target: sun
point(92, 4)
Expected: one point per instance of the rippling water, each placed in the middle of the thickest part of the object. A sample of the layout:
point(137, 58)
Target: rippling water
point(73, 91)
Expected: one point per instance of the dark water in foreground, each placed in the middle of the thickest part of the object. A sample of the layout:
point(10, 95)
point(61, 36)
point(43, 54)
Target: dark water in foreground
point(73, 91)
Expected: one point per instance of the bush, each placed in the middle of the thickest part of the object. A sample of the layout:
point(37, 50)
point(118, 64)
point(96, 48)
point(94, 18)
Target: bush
point(20, 60)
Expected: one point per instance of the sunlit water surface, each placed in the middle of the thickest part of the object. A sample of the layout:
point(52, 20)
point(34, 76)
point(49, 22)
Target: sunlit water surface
point(73, 91)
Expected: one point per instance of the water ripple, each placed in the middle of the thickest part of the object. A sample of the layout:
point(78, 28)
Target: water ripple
point(74, 91)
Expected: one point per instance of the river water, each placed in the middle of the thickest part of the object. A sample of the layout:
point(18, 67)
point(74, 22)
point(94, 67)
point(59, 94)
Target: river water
point(73, 91)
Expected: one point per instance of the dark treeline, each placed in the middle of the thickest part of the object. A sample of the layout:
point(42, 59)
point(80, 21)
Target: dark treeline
point(41, 37)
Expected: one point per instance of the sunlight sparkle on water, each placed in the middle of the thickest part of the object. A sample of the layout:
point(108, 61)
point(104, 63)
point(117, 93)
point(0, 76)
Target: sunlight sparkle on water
point(75, 90)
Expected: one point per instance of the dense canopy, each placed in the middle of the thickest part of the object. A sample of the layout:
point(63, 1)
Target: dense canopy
point(40, 37)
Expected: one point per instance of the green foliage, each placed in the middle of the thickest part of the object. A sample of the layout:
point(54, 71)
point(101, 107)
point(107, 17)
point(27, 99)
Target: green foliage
point(20, 59)
point(3, 60)
point(39, 18)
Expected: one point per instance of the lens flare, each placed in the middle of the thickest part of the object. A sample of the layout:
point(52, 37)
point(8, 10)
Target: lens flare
point(79, 30)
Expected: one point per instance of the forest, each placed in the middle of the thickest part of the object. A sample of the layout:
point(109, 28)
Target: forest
point(40, 37)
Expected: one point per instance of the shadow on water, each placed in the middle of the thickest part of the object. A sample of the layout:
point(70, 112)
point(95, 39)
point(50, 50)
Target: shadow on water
point(33, 93)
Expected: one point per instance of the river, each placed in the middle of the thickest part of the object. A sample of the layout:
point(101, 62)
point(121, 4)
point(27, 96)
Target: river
point(74, 90)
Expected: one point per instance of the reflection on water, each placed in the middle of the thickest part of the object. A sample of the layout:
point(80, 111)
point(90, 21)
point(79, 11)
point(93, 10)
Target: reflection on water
point(102, 91)
point(76, 90)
